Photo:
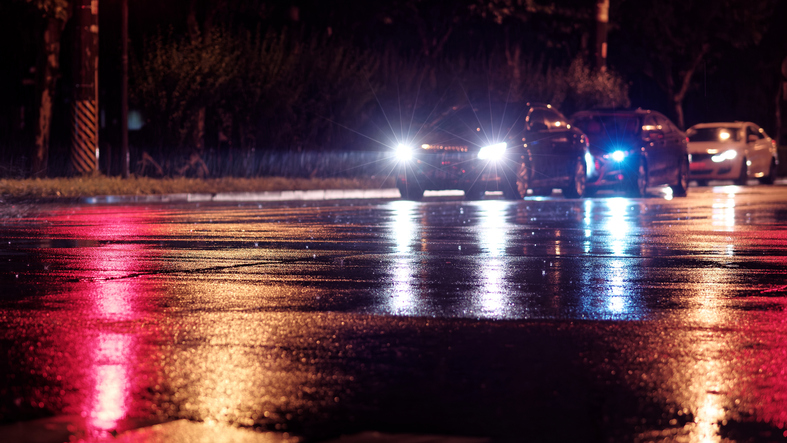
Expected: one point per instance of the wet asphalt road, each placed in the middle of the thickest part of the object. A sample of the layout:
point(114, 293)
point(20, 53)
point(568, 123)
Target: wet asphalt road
point(604, 319)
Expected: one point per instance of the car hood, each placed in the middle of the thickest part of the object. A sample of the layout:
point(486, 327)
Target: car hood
point(704, 147)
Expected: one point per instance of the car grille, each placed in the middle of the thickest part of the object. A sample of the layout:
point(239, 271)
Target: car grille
point(700, 157)
point(445, 159)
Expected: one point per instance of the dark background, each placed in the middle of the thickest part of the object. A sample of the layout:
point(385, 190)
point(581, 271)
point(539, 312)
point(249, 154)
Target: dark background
point(441, 44)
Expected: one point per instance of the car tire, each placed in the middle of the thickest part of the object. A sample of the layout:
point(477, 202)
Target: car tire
point(577, 181)
point(681, 188)
point(409, 191)
point(541, 192)
point(743, 177)
point(636, 183)
point(771, 177)
point(702, 182)
point(516, 185)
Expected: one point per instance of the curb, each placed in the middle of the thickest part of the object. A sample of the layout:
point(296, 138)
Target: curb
point(329, 194)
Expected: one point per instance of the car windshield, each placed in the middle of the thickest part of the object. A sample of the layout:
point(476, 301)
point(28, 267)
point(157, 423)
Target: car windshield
point(713, 134)
point(484, 125)
point(609, 125)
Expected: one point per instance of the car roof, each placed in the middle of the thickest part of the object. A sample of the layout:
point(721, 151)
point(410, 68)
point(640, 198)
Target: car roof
point(616, 111)
point(736, 124)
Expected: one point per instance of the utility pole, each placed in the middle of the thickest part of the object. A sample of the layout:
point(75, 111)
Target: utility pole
point(124, 154)
point(84, 135)
point(602, 21)
point(781, 118)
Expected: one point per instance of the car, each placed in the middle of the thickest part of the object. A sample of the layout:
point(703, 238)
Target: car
point(520, 150)
point(634, 149)
point(734, 151)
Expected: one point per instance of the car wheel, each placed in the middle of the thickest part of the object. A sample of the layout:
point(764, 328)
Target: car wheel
point(771, 177)
point(743, 177)
point(682, 186)
point(576, 185)
point(637, 183)
point(409, 191)
point(475, 193)
point(702, 182)
point(516, 186)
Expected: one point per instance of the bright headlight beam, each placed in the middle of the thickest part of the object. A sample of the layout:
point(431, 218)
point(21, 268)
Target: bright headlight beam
point(492, 152)
point(726, 155)
point(618, 156)
point(404, 153)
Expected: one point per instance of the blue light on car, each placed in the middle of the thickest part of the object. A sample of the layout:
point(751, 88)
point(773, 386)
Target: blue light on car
point(404, 153)
point(618, 156)
point(726, 155)
point(492, 152)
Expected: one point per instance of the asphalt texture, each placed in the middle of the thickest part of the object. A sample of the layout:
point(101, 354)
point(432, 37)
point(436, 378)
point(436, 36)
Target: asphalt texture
point(375, 319)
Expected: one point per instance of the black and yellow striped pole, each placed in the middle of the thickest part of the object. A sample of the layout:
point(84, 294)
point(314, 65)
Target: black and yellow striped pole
point(84, 134)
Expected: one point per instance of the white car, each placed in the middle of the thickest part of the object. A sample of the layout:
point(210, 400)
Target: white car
point(734, 151)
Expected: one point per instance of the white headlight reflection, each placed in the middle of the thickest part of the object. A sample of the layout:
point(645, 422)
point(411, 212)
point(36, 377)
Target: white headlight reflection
point(492, 300)
point(609, 278)
point(402, 299)
point(492, 152)
point(618, 225)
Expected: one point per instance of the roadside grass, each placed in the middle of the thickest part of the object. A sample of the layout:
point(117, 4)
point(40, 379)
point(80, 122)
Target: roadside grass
point(90, 186)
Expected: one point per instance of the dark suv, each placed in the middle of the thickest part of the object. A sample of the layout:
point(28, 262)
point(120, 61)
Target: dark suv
point(502, 147)
point(633, 150)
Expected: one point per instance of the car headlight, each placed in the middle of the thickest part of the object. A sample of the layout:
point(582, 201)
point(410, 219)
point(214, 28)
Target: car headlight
point(492, 152)
point(404, 153)
point(619, 156)
point(726, 155)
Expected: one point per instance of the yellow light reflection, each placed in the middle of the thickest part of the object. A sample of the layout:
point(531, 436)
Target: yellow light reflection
point(707, 377)
point(724, 212)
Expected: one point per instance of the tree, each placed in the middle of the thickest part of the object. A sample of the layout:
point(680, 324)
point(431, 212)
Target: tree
point(177, 79)
point(54, 15)
point(668, 40)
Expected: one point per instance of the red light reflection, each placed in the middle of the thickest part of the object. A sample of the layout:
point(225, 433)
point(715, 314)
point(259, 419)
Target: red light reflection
point(111, 321)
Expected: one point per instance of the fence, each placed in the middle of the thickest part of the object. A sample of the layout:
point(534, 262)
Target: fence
point(236, 163)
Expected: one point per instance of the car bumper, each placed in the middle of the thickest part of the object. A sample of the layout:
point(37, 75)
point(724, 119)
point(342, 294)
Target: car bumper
point(452, 171)
point(709, 170)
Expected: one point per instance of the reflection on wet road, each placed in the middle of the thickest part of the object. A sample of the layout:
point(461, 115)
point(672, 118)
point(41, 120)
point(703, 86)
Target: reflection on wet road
point(630, 319)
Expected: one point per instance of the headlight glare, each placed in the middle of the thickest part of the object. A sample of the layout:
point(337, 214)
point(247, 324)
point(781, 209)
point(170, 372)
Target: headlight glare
point(726, 155)
point(404, 153)
point(492, 152)
point(618, 156)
